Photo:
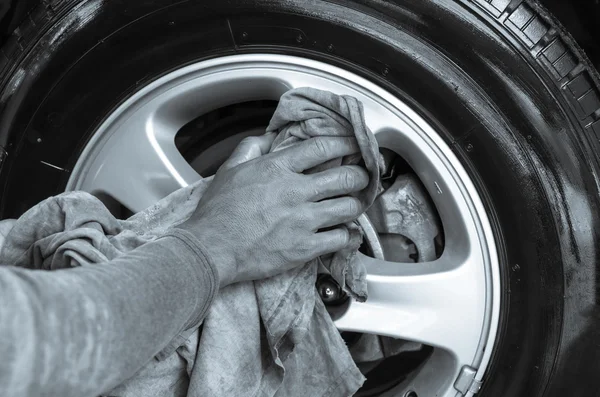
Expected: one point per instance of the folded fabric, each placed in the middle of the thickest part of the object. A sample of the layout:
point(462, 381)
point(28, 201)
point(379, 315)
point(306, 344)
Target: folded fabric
point(270, 337)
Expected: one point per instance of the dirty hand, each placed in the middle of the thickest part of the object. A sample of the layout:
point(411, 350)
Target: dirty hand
point(261, 215)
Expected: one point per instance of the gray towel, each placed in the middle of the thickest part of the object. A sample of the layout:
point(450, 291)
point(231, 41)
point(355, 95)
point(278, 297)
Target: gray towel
point(270, 337)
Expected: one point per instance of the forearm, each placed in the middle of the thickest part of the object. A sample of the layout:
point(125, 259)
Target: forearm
point(82, 331)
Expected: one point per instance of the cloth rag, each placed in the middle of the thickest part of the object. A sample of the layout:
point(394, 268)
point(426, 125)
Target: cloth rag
point(270, 337)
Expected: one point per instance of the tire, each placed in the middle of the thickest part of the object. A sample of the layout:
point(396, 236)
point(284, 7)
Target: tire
point(502, 81)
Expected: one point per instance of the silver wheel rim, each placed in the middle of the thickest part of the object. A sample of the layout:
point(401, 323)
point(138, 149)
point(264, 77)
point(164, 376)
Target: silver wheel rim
point(452, 303)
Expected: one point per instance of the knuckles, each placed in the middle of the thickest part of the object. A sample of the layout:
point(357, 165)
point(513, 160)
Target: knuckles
point(305, 251)
point(353, 206)
point(347, 179)
point(286, 196)
point(341, 237)
point(319, 148)
point(344, 236)
point(353, 178)
point(300, 253)
point(271, 166)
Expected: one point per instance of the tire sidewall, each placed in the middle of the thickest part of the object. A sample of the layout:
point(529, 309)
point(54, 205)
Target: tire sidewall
point(519, 141)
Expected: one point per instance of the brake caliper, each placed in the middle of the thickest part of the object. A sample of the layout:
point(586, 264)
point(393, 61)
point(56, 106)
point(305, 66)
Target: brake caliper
point(405, 211)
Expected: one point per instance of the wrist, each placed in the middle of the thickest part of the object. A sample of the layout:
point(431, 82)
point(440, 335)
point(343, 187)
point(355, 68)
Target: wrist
point(214, 251)
point(200, 275)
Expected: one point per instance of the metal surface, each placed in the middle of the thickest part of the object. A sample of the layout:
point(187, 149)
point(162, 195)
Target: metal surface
point(330, 291)
point(451, 303)
point(404, 209)
point(398, 248)
point(466, 382)
point(371, 236)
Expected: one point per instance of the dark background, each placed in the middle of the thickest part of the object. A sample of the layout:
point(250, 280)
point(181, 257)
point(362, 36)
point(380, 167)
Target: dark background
point(580, 17)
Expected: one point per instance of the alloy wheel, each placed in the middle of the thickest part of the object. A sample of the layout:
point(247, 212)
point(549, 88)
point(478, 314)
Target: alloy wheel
point(451, 303)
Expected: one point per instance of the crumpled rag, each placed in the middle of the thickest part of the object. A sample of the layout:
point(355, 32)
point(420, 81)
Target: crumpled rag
point(270, 337)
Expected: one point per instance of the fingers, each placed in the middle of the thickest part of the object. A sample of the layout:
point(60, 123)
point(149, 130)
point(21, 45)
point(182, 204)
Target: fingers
point(315, 151)
point(336, 211)
point(249, 148)
point(331, 241)
point(337, 181)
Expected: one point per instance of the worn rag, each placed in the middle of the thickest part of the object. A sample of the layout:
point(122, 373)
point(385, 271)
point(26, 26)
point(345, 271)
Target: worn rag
point(270, 337)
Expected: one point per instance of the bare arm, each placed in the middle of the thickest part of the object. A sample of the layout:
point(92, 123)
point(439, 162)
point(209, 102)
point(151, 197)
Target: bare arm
point(83, 331)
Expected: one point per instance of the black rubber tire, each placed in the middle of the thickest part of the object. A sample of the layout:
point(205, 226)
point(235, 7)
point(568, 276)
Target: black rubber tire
point(507, 87)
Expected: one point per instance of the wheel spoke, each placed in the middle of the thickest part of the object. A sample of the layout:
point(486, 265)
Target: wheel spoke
point(436, 303)
point(140, 167)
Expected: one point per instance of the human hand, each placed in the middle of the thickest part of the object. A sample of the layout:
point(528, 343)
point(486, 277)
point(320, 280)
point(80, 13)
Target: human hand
point(261, 216)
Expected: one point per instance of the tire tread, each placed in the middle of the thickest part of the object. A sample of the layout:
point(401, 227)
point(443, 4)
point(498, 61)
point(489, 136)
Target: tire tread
point(28, 32)
point(557, 53)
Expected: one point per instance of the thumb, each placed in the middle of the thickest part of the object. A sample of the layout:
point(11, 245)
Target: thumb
point(250, 148)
